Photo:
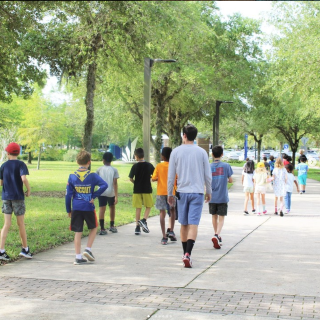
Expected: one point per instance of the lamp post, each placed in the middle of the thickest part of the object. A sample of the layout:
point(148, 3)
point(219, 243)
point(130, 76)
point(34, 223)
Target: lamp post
point(148, 63)
point(215, 139)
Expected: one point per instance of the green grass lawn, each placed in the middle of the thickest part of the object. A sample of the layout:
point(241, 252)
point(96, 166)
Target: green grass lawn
point(46, 220)
point(312, 174)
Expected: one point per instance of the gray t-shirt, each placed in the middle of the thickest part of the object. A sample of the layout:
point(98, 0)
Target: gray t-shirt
point(221, 172)
point(191, 164)
point(108, 173)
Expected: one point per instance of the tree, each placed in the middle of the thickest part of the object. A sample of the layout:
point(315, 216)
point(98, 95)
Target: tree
point(18, 70)
point(43, 124)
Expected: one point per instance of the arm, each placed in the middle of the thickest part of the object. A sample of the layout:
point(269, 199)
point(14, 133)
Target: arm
point(208, 179)
point(295, 182)
point(171, 179)
point(242, 179)
point(155, 174)
point(26, 183)
point(230, 180)
point(1, 182)
point(68, 197)
point(115, 188)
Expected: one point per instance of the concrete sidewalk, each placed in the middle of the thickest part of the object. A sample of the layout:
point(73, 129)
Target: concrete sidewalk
point(267, 268)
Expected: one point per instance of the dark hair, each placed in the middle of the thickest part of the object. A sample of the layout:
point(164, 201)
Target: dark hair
point(271, 158)
point(249, 167)
point(217, 151)
point(83, 157)
point(166, 152)
point(139, 153)
point(264, 158)
point(247, 159)
point(289, 167)
point(191, 131)
point(289, 158)
point(285, 156)
point(107, 157)
point(303, 158)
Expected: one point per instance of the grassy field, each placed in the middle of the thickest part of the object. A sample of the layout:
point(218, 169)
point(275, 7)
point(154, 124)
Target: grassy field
point(46, 220)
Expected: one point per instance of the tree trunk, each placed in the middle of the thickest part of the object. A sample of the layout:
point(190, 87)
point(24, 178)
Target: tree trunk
point(259, 141)
point(91, 87)
point(39, 157)
point(29, 157)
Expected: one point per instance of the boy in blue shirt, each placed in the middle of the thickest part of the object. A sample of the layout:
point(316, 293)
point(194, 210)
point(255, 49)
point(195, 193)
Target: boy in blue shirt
point(218, 205)
point(12, 178)
point(80, 189)
point(303, 169)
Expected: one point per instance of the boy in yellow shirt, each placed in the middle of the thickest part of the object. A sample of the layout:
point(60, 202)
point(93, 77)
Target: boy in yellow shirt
point(160, 174)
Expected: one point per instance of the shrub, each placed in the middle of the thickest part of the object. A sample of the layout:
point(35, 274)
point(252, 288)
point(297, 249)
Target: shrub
point(53, 154)
point(70, 155)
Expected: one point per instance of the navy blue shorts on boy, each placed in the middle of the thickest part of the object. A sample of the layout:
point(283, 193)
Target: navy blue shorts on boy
point(103, 201)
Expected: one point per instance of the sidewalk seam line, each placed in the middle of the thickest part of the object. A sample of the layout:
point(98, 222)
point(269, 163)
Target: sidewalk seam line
point(205, 270)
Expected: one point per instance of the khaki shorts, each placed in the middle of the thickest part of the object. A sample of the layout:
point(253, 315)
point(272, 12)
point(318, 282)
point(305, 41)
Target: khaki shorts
point(140, 199)
point(260, 189)
point(248, 189)
point(16, 206)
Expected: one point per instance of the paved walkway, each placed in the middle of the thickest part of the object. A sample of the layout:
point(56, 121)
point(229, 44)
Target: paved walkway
point(267, 269)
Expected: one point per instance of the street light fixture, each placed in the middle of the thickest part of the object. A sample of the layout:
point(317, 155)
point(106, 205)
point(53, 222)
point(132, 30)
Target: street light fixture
point(215, 139)
point(148, 63)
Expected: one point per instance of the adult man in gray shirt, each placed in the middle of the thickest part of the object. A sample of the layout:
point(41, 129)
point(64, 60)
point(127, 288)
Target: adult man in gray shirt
point(191, 165)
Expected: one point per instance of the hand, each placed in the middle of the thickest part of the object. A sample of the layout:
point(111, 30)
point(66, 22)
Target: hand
point(27, 193)
point(207, 197)
point(115, 200)
point(69, 214)
point(91, 201)
point(171, 201)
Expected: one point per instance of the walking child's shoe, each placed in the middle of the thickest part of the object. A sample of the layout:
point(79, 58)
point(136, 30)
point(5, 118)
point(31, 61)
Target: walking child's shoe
point(137, 231)
point(103, 232)
point(264, 212)
point(113, 229)
point(143, 225)
point(216, 242)
point(80, 261)
point(281, 213)
point(4, 256)
point(259, 213)
point(172, 236)
point(88, 254)
point(186, 259)
point(246, 213)
point(253, 210)
point(288, 211)
point(164, 241)
point(26, 254)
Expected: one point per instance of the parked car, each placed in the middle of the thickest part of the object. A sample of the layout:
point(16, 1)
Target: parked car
point(250, 155)
point(234, 155)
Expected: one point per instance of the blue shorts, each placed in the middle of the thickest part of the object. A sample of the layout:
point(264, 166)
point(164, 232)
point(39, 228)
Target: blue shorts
point(190, 208)
point(302, 179)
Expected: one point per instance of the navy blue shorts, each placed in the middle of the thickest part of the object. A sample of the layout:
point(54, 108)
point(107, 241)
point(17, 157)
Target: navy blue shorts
point(103, 201)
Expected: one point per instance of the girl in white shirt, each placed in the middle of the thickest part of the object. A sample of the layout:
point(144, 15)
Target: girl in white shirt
point(248, 187)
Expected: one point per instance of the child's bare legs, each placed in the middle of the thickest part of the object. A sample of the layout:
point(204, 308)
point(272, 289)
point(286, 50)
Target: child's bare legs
point(163, 222)
point(147, 212)
point(252, 200)
point(246, 199)
point(217, 223)
point(77, 242)
point(112, 212)
point(22, 230)
point(275, 205)
point(263, 198)
point(281, 203)
point(92, 236)
point(5, 230)
point(138, 214)
point(302, 187)
point(102, 211)
point(258, 202)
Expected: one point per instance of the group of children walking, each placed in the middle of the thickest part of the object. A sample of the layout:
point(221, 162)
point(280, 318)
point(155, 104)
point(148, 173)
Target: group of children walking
point(81, 193)
point(277, 175)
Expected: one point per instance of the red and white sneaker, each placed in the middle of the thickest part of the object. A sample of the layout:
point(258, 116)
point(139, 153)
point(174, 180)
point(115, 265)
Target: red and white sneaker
point(216, 242)
point(186, 259)
point(264, 212)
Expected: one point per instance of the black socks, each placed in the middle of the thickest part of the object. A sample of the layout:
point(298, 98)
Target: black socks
point(190, 244)
point(101, 221)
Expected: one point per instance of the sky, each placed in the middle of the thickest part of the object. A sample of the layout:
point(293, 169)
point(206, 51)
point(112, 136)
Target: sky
point(250, 9)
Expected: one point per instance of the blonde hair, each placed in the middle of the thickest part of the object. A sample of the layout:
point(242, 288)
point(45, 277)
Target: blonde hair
point(279, 163)
point(261, 169)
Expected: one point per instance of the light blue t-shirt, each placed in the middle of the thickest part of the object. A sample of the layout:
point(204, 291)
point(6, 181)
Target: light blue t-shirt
point(302, 169)
point(221, 172)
